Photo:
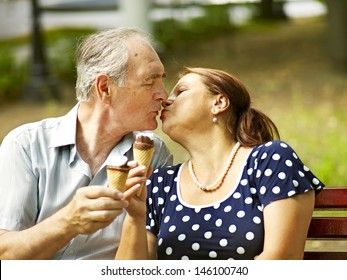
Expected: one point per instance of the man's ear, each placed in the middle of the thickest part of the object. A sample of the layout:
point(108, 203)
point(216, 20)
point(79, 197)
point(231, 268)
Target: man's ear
point(102, 87)
point(220, 104)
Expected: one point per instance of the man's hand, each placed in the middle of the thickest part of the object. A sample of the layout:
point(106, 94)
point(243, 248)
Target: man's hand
point(93, 208)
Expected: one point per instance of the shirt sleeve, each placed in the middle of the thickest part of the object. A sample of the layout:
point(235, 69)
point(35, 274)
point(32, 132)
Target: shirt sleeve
point(279, 173)
point(162, 156)
point(18, 185)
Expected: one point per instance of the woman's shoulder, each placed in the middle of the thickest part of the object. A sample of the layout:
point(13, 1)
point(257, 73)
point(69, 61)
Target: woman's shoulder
point(273, 147)
point(272, 153)
point(165, 173)
point(162, 180)
point(169, 169)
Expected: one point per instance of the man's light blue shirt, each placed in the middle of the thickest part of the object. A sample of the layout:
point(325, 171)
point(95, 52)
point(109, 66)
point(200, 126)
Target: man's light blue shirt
point(40, 171)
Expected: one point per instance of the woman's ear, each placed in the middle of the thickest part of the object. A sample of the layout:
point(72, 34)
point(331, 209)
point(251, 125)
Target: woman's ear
point(220, 104)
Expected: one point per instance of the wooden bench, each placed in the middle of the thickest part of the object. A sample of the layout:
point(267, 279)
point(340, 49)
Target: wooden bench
point(329, 224)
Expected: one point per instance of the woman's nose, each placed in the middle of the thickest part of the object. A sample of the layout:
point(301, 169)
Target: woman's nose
point(166, 102)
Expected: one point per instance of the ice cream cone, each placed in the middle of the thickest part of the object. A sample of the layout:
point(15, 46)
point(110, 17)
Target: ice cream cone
point(143, 150)
point(117, 174)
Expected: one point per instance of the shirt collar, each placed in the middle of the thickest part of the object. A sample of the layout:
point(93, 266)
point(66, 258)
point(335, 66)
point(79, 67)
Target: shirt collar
point(66, 130)
point(122, 148)
point(66, 135)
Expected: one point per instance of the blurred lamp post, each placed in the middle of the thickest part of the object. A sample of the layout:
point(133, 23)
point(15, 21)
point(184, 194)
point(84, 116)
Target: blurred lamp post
point(40, 87)
point(337, 33)
point(136, 13)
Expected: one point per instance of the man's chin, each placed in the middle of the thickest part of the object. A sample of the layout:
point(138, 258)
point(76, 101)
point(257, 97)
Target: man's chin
point(151, 126)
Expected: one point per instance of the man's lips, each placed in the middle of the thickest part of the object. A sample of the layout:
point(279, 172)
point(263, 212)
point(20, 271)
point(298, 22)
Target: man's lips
point(154, 113)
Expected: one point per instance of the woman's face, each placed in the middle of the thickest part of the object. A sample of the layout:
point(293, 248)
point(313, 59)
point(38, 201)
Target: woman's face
point(189, 108)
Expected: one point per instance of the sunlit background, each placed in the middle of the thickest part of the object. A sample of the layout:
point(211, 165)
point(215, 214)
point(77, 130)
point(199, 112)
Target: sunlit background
point(292, 57)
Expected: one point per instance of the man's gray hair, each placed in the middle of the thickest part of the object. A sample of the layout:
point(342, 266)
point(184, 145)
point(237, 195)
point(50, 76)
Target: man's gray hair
point(104, 52)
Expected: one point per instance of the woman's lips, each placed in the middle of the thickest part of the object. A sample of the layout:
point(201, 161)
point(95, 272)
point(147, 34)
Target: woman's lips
point(162, 115)
point(165, 104)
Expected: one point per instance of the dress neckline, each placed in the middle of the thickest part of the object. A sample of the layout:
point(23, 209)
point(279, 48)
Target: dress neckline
point(197, 206)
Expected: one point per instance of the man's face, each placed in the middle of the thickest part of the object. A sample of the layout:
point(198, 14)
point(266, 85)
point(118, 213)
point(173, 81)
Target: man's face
point(139, 100)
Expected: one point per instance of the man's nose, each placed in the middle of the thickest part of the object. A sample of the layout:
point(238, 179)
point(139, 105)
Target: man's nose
point(162, 94)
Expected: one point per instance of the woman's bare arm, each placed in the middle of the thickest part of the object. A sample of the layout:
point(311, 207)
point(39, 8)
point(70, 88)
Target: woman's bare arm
point(286, 226)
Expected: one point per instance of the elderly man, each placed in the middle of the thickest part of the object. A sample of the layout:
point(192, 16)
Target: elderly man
point(54, 200)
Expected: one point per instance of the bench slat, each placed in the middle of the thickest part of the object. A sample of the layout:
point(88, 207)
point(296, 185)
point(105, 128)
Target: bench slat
point(328, 227)
point(325, 256)
point(331, 197)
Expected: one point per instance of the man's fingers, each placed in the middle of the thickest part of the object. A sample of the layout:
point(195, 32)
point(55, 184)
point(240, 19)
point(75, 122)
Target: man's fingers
point(106, 203)
point(104, 216)
point(94, 192)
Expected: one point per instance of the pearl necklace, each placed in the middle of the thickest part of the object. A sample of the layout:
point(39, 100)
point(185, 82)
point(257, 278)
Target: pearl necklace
point(218, 182)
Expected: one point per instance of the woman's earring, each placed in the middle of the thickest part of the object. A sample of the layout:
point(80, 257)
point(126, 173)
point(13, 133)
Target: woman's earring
point(215, 119)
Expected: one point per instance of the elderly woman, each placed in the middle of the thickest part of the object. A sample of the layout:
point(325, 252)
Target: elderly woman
point(241, 195)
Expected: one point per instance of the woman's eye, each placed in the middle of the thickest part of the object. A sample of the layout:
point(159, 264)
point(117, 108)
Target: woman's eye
point(180, 91)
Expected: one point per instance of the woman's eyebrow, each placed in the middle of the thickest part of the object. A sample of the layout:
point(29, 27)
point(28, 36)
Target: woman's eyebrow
point(175, 87)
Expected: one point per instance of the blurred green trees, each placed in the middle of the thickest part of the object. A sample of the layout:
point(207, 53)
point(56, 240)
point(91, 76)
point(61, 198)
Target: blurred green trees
point(284, 64)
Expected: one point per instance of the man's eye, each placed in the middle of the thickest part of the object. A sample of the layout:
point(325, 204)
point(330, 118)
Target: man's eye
point(148, 86)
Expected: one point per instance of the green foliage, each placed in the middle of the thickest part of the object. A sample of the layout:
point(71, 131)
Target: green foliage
point(61, 47)
point(14, 69)
point(306, 101)
point(215, 22)
point(316, 132)
point(12, 75)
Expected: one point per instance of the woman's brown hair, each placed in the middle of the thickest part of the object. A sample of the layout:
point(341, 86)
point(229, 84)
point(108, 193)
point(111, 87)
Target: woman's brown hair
point(249, 126)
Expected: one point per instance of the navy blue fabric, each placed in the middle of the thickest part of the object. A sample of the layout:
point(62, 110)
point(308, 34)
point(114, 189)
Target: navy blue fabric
point(232, 228)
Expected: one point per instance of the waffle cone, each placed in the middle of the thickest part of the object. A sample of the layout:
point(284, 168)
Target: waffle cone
point(143, 157)
point(117, 178)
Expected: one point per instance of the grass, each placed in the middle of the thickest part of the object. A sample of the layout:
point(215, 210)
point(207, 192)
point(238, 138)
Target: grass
point(319, 137)
point(288, 72)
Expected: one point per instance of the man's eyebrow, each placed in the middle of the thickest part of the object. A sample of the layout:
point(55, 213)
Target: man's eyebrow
point(155, 76)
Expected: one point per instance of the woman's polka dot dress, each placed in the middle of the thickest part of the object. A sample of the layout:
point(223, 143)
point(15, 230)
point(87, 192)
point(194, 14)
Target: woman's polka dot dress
point(232, 228)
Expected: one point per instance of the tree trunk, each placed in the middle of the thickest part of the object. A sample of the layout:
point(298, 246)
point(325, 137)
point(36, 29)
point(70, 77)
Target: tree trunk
point(337, 33)
point(269, 9)
point(266, 9)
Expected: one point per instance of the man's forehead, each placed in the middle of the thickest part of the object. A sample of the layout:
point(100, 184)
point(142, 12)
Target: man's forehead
point(147, 70)
point(145, 63)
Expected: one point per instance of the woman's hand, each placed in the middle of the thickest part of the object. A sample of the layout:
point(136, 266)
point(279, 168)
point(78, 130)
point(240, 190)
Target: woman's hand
point(136, 181)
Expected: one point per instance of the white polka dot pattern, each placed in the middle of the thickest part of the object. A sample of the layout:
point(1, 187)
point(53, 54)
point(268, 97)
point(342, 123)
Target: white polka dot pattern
point(231, 228)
